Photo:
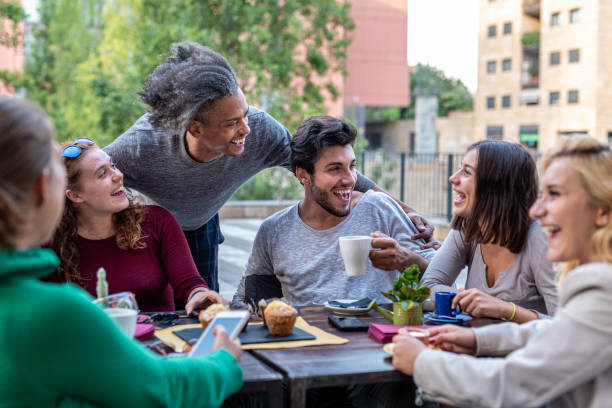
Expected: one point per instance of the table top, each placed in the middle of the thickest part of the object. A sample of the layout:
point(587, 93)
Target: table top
point(360, 360)
point(256, 374)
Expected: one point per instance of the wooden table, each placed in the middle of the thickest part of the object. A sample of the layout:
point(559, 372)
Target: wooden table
point(360, 361)
point(257, 376)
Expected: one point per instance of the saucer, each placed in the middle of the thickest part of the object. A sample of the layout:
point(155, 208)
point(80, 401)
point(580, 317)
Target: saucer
point(346, 311)
point(459, 319)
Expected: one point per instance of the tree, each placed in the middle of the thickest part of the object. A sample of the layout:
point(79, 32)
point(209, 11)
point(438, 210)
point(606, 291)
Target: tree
point(452, 95)
point(89, 58)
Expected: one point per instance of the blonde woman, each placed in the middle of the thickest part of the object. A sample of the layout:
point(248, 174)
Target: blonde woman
point(563, 362)
point(58, 348)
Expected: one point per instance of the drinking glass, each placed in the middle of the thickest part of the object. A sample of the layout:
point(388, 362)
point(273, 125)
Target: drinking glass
point(123, 309)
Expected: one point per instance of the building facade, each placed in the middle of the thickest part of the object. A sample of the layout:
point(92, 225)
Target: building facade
point(544, 70)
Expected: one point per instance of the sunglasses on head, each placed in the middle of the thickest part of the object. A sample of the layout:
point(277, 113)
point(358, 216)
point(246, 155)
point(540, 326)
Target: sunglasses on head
point(74, 150)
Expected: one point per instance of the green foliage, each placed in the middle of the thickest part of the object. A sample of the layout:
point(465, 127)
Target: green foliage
point(452, 93)
point(90, 57)
point(531, 38)
point(11, 14)
point(383, 174)
point(375, 114)
point(270, 184)
point(406, 290)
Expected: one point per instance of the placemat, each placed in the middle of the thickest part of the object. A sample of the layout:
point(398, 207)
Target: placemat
point(255, 333)
point(321, 337)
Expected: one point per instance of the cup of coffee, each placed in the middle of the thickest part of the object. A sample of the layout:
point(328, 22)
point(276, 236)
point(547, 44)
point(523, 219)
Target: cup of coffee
point(122, 309)
point(355, 251)
point(421, 335)
point(444, 302)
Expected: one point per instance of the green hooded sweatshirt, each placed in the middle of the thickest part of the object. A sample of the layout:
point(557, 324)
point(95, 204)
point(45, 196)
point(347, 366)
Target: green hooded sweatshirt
point(59, 349)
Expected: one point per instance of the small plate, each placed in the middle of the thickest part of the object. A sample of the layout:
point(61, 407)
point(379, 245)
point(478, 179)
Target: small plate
point(459, 319)
point(343, 311)
point(388, 348)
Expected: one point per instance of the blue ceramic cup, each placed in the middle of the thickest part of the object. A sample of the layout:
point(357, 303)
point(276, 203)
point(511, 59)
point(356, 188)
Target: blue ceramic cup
point(444, 301)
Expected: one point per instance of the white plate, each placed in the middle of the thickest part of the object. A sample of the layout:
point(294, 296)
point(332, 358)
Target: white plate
point(354, 311)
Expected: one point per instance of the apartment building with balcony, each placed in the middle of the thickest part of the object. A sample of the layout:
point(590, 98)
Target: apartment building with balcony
point(544, 70)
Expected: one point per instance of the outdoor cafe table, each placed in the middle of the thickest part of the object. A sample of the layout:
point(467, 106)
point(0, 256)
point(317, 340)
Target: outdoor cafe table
point(257, 376)
point(360, 361)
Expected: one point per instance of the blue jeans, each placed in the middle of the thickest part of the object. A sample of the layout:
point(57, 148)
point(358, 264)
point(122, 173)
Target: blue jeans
point(204, 245)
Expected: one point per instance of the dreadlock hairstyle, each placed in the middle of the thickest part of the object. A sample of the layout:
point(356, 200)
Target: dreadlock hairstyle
point(185, 86)
point(127, 224)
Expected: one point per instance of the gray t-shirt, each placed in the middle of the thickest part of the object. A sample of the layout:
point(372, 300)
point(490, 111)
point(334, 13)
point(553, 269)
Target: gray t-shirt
point(528, 282)
point(157, 164)
point(307, 262)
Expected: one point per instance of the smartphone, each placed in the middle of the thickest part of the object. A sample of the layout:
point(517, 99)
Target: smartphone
point(233, 321)
point(348, 323)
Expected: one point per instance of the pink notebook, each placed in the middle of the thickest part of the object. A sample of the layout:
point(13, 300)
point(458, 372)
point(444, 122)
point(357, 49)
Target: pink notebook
point(383, 333)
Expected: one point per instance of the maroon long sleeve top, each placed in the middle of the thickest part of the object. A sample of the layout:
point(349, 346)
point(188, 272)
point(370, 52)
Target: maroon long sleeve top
point(154, 274)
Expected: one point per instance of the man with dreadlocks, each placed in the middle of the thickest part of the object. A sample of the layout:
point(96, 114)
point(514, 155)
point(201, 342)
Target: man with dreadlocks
point(199, 143)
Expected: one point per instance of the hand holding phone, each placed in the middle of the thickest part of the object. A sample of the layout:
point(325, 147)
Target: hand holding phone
point(222, 341)
point(232, 321)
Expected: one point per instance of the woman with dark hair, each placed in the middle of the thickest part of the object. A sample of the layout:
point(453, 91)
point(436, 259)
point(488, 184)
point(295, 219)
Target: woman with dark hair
point(492, 234)
point(142, 248)
point(564, 362)
point(58, 348)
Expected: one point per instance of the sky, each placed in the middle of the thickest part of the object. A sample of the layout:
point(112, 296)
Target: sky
point(444, 34)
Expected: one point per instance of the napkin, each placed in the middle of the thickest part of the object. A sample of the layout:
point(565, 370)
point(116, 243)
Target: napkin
point(144, 331)
point(384, 333)
point(361, 303)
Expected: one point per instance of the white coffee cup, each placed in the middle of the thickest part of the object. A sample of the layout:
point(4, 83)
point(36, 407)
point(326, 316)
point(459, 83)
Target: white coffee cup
point(355, 251)
point(124, 318)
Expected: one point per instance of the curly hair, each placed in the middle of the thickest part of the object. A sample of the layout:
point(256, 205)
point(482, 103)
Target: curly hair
point(592, 160)
point(506, 187)
point(185, 86)
point(316, 133)
point(127, 224)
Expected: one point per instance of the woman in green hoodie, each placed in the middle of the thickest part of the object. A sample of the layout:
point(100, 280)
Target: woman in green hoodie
point(59, 349)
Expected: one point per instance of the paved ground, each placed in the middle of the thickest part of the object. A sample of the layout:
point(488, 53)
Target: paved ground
point(234, 253)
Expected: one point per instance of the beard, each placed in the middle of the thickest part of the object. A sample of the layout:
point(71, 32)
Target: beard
point(321, 197)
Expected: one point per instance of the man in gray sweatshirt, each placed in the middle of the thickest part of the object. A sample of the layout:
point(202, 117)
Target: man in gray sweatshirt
point(199, 143)
point(299, 245)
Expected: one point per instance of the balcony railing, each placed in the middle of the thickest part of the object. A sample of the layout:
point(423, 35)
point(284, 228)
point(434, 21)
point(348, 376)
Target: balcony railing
point(532, 8)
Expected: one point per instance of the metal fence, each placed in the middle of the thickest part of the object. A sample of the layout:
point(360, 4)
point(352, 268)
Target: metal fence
point(419, 180)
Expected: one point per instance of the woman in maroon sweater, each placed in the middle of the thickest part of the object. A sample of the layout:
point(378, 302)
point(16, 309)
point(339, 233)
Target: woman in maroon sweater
point(142, 248)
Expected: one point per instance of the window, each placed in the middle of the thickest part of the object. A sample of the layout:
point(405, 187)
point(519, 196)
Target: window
point(490, 102)
point(554, 98)
point(507, 28)
point(574, 56)
point(572, 96)
point(529, 135)
point(555, 58)
point(555, 19)
point(495, 132)
point(575, 15)
point(506, 65)
point(492, 31)
point(506, 101)
point(491, 67)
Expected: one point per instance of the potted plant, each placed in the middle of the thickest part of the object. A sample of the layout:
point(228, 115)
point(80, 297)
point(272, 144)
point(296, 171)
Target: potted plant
point(407, 297)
